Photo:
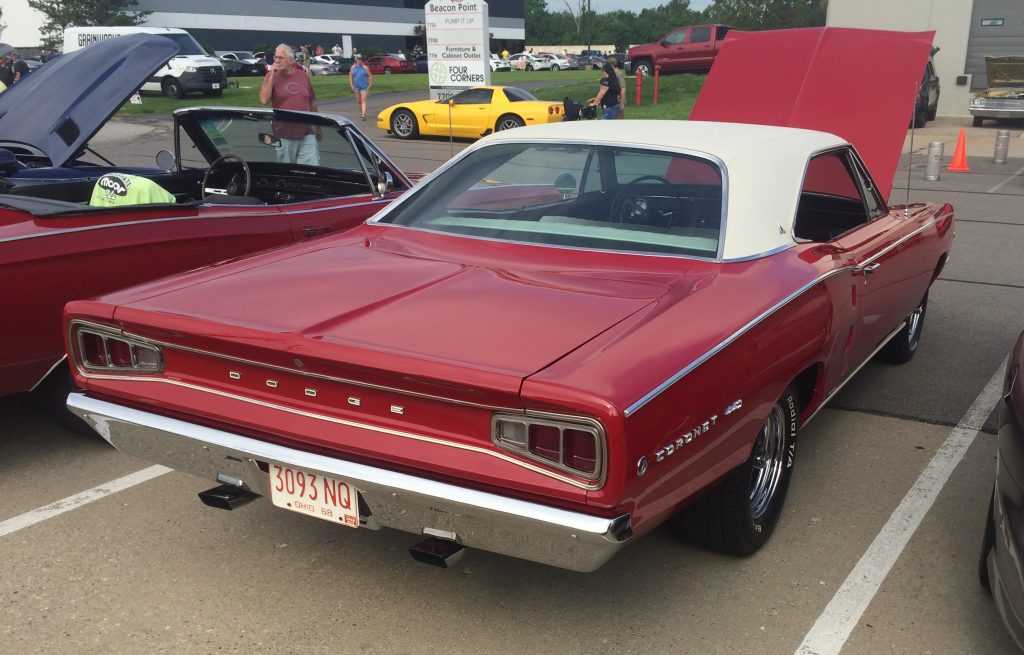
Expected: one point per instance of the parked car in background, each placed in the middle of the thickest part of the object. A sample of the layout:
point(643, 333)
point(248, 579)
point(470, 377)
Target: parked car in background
point(223, 193)
point(1004, 97)
point(1002, 547)
point(470, 114)
point(683, 49)
point(388, 64)
point(238, 55)
point(239, 68)
point(558, 62)
point(322, 65)
point(927, 101)
point(499, 64)
point(527, 61)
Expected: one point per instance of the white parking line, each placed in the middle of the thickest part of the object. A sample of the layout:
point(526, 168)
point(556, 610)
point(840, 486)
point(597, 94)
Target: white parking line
point(1012, 177)
point(843, 612)
point(72, 502)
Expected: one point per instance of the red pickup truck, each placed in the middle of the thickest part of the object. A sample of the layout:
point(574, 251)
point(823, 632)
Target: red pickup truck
point(683, 49)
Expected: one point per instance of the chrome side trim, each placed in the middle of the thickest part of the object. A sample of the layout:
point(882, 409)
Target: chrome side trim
point(658, 390)
point(48, 372)
point(849, 377)
point(596, 484)
point(168, 219)
point(518, 528)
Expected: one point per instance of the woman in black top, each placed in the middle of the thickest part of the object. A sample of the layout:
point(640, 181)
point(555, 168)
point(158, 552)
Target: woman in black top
point(608, 95)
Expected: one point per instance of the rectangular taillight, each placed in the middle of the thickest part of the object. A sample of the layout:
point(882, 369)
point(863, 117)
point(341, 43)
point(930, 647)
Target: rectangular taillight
point(576, 447)
point(99, 348)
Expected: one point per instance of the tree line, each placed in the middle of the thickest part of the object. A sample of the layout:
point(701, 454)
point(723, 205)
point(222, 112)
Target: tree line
point(571, 23)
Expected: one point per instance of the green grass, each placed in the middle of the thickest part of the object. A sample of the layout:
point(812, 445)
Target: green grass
point(677, 93)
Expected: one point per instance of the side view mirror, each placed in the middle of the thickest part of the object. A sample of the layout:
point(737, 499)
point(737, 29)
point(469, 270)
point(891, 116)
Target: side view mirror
point(664, 43)
point(165, 160)
point(566, 184)
point(268, 139)
point(385, 182)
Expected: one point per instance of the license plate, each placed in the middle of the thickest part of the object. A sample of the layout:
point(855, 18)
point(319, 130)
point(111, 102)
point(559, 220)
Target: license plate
point(216, 85)
point(314, 495)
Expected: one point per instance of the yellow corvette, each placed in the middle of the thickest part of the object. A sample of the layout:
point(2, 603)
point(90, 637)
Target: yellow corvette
point(472, 113)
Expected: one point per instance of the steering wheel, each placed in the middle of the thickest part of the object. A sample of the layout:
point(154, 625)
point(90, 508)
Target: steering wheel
point(634, 209)
point(232, 187)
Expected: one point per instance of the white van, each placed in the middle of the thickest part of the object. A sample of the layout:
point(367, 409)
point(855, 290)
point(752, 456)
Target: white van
point(191, 70)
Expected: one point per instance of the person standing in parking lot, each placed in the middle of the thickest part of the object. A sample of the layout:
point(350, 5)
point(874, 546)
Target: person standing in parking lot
point(609, 93)
point(287, 86)
point(6, 72)
point(617, 65)
point(360, 80)
point(19, 66)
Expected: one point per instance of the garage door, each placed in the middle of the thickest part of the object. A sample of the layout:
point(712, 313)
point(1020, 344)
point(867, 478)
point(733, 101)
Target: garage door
point(997, 28)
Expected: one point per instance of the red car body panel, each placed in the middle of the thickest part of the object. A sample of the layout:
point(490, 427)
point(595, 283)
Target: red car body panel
point(48, 261)
point(806, 78)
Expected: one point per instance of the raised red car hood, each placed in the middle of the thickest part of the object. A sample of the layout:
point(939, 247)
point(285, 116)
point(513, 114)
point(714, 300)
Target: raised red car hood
point(501, 321)
point(857, 84)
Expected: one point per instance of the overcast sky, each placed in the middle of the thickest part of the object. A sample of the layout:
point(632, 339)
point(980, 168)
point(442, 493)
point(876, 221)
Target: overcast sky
point(601, 6)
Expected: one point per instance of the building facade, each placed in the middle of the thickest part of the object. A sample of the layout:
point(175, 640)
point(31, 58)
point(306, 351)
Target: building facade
point(384, 25)
point(966, 31)
point(373, 25)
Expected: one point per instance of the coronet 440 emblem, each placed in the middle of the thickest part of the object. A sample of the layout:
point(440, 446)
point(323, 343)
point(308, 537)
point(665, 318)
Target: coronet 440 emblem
point(670, 449)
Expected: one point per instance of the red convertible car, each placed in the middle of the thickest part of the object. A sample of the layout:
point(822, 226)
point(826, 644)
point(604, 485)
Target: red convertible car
point(230, 190)
point(564, 337)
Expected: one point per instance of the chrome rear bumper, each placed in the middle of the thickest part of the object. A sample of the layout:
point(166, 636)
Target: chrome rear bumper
point(477, 519)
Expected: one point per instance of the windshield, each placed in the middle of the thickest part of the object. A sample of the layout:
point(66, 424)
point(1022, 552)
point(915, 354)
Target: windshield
point(186, 43)
point(257, 137)
point(579, 196)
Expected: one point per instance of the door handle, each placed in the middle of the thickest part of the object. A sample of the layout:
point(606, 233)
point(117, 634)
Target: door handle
point(313, 231)
point(870, 268)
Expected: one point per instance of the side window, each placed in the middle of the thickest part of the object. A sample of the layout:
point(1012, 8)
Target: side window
point(474, 97)
point(700, 34)
point(676, 37)
point(831, 203)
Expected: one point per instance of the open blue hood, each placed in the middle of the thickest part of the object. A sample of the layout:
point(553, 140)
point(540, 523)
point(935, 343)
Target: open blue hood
point(60, 106)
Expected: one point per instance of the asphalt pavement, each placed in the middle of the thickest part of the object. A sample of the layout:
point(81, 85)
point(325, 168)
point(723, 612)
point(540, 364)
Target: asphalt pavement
point(876, 551)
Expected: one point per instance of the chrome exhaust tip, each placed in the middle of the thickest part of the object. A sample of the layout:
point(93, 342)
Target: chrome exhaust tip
point(442, 553)
point(227, 496)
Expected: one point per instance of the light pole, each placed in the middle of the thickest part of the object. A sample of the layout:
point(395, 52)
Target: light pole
point(590, 31)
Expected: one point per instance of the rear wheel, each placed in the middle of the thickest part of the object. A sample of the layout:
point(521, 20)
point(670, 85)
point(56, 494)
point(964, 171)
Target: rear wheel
point(554, 67)
point(739, 514)
point(387, 70)
point(643, 66)
point(172, 88)
point(403, 124)
point(902, 347)
point(508, 122)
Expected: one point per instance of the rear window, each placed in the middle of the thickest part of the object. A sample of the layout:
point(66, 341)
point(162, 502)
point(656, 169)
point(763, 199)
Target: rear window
point(596, 197)
point(517, 95)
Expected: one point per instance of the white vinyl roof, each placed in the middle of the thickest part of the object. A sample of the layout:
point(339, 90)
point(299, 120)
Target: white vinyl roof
point(764, 167)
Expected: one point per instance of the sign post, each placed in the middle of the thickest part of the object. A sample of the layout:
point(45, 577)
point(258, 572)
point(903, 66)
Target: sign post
point(458, 46)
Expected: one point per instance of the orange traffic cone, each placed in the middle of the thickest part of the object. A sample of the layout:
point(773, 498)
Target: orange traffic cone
point(959, 163)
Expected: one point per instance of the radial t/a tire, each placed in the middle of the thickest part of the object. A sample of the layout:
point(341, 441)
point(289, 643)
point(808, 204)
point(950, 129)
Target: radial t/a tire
point(739, 514)
point(403, 124)
point(902, 347)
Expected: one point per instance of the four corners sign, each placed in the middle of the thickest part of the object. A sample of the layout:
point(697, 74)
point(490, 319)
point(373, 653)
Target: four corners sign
point(458, 46)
